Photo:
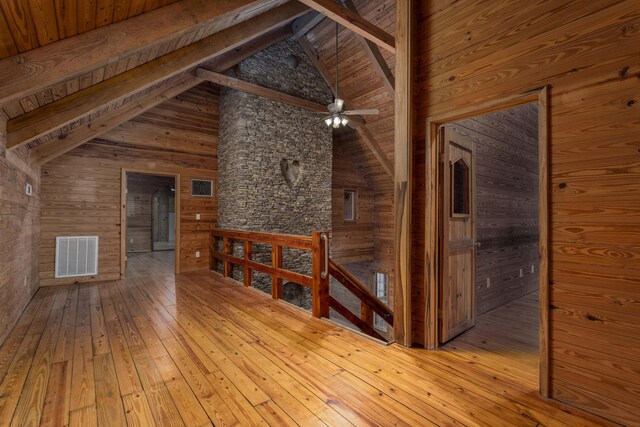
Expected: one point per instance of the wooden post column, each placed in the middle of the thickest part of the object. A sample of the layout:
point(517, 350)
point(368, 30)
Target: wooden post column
point(320, 268)
point(366, 314)
point(248, 255)
point(402, 170)
point(226, 269)
point(276, 262)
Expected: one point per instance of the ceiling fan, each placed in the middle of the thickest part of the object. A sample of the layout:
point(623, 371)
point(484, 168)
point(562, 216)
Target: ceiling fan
point(337, 116)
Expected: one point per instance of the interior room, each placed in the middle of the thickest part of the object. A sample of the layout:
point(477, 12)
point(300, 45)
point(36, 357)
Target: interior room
point(319, 212)
point(150, 225)
point(490, 234)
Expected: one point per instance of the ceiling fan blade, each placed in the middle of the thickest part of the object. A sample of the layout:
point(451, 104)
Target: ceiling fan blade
point(367, 112)
point(322, 120)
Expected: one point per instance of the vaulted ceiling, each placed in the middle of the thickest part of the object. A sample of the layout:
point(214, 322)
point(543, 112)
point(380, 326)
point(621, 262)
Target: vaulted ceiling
point(71, 70)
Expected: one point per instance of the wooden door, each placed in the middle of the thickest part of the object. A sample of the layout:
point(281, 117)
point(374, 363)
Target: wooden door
point(457, 303)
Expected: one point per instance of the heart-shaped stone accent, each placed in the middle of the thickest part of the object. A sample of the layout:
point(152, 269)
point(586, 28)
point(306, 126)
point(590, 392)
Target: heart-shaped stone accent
point(290, 171)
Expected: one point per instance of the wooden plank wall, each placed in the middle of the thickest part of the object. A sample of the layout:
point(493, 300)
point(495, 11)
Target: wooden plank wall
point(141, 190)
point(81, 190)
point(589, 54)
point(358, 246)
point(19, 233)
point(505, 203)
point(350, 241)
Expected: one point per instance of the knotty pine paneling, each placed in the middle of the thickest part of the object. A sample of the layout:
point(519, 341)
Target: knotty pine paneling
point(82, 188)
point(27, 24)
point(19, 234)
point(362, 247)
point(505, 197)
point(350, 241)
point(588, 52)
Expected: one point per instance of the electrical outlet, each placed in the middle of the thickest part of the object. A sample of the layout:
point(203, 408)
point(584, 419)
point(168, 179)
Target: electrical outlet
point(130, 240)
point(521, 273)
point(533, 268)
point(197, 217)
point(488, 282)
point(197, 254)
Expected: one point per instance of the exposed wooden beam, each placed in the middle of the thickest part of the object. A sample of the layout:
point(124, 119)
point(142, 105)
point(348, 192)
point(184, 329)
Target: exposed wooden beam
point(375, 148)
point(238, 84)
point(315, 58)
point(38, 69)
point(378, 62)
point(354, 22)
point(365, 134)
point(306, 23)
point(56, 147)
point(404, 123)
point(37, 123)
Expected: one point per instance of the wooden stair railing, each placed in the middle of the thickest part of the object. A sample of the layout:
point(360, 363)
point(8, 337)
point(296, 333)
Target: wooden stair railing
point(369, 303)
point(322, 268)
point(317, 244)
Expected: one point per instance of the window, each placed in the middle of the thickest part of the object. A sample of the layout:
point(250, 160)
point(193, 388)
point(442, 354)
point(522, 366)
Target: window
point(349, 206)
point(459, 188)
point(201, 188)
point(381, 293)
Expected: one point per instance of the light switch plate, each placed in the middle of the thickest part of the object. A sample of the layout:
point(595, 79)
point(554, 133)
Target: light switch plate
point(197, 254)
point(197, 217)
point(28, 189)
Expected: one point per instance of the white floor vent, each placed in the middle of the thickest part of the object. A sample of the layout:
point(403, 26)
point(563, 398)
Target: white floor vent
point(76, 256)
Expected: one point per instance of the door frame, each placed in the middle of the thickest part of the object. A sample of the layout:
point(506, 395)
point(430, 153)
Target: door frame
point(123, 215)
point(432, 221)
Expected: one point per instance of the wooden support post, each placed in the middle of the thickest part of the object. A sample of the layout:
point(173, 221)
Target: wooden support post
point(212, 249)
point(3, 131)
point(320, 273)
point(226, 270)
point(366, 314)
point(402, 171)
point(276, 262)
point(248, 255)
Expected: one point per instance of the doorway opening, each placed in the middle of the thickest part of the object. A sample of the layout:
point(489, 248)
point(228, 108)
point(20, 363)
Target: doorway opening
point(149, 224)
point(491, 209)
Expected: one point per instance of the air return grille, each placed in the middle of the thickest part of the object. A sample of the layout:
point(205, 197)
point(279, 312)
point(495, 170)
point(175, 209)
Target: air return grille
point(76, 256)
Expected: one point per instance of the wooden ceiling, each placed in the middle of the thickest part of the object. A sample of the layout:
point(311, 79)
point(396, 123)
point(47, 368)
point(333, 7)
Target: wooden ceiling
point(64, 84)
point(28, 24)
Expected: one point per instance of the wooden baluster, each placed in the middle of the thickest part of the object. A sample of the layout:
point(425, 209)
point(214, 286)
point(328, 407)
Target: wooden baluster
point(366, 314)
point(248, 255)
point(276, 261)
point(226, 270)
point(212, 249)
point(320, 289)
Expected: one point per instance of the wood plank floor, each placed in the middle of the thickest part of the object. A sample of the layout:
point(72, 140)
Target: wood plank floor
point(155, 263)
point(506, 336)
point(196, 349)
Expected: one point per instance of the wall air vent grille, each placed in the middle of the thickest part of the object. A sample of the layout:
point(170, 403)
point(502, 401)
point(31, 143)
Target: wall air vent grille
point(76, 256)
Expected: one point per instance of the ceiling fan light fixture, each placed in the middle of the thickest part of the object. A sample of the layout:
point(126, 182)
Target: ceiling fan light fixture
point(328, 121)
point(344, 121)
point(336, 121)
